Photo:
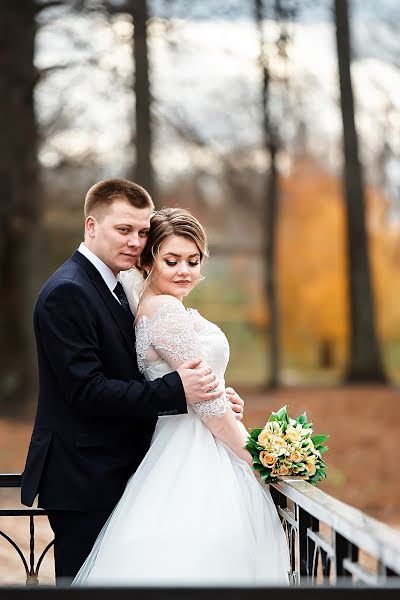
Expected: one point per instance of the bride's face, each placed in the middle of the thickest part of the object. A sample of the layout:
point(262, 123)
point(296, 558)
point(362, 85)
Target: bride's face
point(176, 268)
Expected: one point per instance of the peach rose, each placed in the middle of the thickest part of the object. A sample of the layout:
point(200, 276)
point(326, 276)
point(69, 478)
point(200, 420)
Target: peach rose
point(267, 459)
point(263, 438)
point(295, 456)
point(311, 468)
point(281, 471)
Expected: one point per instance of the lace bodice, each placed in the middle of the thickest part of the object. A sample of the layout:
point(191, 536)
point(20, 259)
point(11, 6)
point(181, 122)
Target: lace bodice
point(174, 335)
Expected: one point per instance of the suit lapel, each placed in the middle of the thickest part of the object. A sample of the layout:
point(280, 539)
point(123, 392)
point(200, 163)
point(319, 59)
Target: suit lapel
point(118, 313)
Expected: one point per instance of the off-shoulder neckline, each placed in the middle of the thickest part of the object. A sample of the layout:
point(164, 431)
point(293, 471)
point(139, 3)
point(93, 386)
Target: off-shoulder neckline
point(188, 309)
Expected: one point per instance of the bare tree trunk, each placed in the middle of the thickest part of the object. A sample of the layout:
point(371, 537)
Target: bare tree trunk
point(270, 211)
point(144, 174)
point(365, 362)
point(20, 206)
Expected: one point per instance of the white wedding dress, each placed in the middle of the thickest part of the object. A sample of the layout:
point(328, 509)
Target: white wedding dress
point(193, 513)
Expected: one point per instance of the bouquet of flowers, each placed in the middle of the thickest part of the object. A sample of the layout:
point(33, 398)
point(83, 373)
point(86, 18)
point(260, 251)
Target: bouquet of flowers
point(286, 447)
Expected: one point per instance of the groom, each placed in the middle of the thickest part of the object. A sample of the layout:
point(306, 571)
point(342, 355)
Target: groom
point(96, 414)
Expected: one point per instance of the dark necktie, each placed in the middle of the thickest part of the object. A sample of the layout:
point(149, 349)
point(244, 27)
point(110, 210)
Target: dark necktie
point(120, 293)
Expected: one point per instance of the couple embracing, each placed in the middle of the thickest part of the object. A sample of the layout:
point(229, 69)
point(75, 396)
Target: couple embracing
point(137, 451)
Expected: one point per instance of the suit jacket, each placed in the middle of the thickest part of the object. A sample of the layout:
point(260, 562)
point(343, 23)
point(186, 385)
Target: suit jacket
point(96, 414)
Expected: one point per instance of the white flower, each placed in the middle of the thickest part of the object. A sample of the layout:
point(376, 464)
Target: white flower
point(273, 427)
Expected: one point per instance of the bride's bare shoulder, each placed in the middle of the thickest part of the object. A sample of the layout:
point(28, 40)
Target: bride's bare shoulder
point(154, 304)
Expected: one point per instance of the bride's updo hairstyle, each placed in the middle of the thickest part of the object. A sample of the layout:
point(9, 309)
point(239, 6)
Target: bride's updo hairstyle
point(171, 221)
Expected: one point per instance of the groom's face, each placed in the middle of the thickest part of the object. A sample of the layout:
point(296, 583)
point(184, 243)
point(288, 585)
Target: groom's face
point(119, 235)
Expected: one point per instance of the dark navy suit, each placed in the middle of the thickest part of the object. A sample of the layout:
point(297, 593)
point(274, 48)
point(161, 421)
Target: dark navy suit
point(96, 414)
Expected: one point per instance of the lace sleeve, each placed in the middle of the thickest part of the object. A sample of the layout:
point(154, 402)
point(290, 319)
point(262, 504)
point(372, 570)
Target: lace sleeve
point(173, 335)
point(175, 339)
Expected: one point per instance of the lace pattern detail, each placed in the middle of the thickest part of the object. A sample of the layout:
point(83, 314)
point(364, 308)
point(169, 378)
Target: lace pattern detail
point(215, 408)
point(172, 334)
point(143, 341)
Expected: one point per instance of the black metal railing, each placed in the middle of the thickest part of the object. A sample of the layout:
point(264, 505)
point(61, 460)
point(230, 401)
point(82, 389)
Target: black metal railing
point(330, 541)
point(30, 563)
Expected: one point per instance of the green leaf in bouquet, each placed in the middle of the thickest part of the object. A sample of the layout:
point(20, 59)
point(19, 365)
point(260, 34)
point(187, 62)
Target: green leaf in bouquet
point(258, 466)
point(323, 449)
point(273, 417)
point(252, 445)
point(255, 433)
point(251, 442)
point(319, 439)
point(299, 466)
point(282, 413)
point(302, 419)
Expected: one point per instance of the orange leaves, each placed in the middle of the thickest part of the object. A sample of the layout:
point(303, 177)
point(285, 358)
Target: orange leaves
point(312, 260)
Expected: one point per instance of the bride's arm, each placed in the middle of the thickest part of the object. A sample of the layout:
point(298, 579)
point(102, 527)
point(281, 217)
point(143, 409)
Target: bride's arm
point(175, 340)
point(226, 428)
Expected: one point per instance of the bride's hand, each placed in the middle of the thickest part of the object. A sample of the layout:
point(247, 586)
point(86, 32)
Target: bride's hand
point(237, 404)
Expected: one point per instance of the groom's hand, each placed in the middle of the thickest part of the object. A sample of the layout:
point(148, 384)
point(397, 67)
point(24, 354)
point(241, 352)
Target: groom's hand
point(237, 404)
point(199, 381)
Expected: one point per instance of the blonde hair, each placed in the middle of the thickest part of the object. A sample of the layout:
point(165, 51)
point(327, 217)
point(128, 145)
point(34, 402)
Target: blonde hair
point(172, 221)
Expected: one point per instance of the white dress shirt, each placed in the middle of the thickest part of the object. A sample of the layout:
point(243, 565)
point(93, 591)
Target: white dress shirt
point(105, 271)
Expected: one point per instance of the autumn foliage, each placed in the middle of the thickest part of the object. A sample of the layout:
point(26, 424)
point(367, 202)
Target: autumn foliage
point(312, 265)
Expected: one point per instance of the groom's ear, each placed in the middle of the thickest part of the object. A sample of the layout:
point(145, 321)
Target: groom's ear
point(90, 226)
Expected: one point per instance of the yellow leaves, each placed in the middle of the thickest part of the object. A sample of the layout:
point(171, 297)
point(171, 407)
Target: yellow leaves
point(312, 269)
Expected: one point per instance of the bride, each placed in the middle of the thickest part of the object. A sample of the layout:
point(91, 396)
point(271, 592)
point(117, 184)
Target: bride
point(194, 512)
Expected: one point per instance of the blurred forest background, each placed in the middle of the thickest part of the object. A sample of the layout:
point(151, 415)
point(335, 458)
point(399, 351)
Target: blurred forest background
point(277, 122)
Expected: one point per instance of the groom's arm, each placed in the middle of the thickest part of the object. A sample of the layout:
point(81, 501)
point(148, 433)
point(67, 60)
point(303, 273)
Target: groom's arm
point(68, 328)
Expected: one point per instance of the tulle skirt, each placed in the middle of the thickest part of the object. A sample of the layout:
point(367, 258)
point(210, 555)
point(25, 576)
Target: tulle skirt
point(192, 514)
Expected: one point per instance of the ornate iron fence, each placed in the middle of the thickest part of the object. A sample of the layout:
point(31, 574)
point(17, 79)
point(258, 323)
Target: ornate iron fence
point(328, 540)
point(30, 564)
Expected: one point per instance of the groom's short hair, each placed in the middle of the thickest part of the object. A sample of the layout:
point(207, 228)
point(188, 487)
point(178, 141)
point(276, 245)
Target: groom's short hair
point(102, 194)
